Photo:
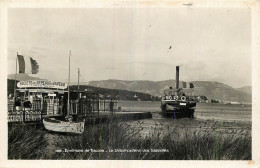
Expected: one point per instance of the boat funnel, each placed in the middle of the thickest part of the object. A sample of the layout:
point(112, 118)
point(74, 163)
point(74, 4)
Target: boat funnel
point(177, 77)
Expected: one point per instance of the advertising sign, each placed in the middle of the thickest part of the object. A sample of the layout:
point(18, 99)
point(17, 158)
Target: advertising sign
point(51, 94)
point(41, 84)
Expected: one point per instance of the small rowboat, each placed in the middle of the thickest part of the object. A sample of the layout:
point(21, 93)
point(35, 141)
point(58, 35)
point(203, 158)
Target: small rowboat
point(61, 125)
point(52, 124)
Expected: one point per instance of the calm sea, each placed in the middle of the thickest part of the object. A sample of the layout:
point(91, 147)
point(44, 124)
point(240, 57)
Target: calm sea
point(205, 111)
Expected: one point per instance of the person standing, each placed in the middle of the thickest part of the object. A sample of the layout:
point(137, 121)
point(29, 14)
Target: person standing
point(81, 105)
point(111, 107)
point(45, 105)
point(18, 104)
point(27, 104)
point(64, 108)
point(61, 104)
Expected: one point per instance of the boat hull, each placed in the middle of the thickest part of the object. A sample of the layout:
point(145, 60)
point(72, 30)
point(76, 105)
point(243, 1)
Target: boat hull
point(178, 108)
point(55, 125)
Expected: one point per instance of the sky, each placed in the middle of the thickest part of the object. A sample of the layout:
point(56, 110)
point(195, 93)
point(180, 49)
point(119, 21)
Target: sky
point(209, 44)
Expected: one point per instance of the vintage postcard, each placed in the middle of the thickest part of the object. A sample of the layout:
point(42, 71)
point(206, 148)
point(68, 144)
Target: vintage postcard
point(121, 83)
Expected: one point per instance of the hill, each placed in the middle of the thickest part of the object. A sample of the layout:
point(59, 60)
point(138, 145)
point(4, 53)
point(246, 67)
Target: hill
point(118, 93)
point(112, 93)
point(144, 86)
point(213, 90)
point(151, 90)
point(223, 92)
point(246, 89)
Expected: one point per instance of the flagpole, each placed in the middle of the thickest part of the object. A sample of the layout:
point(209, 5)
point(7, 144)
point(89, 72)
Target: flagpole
point(78, 81)
point(69, 87)
point(15, 80)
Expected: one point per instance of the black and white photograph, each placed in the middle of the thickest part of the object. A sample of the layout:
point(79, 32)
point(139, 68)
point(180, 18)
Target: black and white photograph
point(131, 81)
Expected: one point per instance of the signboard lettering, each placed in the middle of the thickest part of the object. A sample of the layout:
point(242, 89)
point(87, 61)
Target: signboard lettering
point(42, 84)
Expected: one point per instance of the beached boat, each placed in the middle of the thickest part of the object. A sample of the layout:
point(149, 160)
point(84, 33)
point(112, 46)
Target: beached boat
point(69, 124)
point(57, 125)
point(175, 102)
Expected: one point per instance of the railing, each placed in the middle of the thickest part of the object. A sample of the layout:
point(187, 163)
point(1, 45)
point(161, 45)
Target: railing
point(38, 109)
point(24, 116)
point(108, 105)
point(93, 106)
point(51, 107)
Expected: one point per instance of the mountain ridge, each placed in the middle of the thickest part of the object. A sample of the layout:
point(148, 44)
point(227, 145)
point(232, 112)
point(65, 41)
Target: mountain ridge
point(211, 89)
point(246, 89)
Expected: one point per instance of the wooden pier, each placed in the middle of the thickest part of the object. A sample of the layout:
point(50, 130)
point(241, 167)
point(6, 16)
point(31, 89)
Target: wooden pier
point(92, 110)
point(95, 118)
point(120, 116)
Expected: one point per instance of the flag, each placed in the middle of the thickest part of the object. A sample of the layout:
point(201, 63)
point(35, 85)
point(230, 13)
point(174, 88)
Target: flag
point(27, 65)
point(187, 85)
point(191, 85)
point(184, 84)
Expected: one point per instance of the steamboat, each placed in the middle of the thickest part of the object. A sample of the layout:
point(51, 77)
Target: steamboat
point(178, 101)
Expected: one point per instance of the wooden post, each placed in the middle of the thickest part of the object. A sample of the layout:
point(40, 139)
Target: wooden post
point(78, 81)
point(23, 115)
point(92, 101)
point(53, 105)
point(104, 105)
point(98, 105)
point(76, 107)
point(69, 88)
point(15, 82)
point(41, 116)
